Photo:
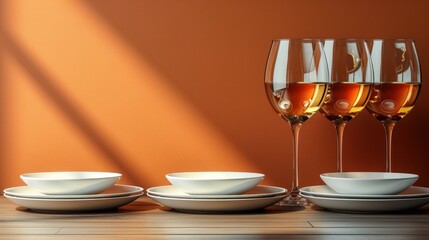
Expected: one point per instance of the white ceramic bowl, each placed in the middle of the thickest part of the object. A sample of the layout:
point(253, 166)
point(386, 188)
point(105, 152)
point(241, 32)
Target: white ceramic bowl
point(67, 183)
point(378, 183)
point(215, 182)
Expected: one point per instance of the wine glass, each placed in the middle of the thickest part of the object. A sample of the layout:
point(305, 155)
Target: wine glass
point(296, 80)
point(397, 84)
point(351, 73)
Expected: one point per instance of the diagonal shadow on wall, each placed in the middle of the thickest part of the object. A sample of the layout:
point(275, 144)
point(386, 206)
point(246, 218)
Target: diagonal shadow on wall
point(46, 84)
point(208, 55)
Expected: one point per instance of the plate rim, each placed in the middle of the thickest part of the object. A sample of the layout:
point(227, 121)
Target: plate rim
point(223, 196)
point(363, 196)
point(72, 199)
point(250, 176)
point(216, 205)
point(366, 199)
point(217, 199)
point(80, 197)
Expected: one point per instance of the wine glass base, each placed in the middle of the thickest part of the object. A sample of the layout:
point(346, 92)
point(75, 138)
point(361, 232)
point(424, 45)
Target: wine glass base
point(292, 201)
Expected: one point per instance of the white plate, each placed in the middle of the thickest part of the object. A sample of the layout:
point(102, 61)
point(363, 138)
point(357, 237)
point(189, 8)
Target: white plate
point(217, 205)
point(325, 191)
point(258, 191)
point(367, 205)
point(115, 191)
point(73, 205)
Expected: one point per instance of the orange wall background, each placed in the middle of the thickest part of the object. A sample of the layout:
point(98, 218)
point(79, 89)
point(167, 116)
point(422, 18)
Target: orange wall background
point(150, 87)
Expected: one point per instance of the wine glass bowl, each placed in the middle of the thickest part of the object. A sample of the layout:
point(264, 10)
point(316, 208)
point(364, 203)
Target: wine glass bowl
point(397, 84)
point(351, 76)
point(296, 80)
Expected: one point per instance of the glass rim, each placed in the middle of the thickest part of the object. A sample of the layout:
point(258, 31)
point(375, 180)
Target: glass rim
point(391, 39)
point(344, 39)
point(296, 39)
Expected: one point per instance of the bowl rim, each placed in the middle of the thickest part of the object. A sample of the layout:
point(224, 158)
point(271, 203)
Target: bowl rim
point(106, 175)
point(252, 175)
point(406, 176)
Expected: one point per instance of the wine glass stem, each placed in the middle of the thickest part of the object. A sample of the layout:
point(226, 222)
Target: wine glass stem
point(295, 132)
point(388, 128)
point(339, 127)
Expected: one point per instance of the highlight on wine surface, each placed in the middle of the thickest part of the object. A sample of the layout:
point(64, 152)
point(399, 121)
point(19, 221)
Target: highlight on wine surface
point(296, 81)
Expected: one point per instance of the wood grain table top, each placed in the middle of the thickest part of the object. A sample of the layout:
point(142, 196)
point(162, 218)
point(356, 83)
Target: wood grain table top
point(145, 219)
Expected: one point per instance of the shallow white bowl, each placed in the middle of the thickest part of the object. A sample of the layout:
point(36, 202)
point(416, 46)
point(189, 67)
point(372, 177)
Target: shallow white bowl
point(215, 182)
point(378, 183)
point(70, 182)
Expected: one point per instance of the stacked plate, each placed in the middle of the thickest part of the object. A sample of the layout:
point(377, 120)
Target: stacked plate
point(72, 191)
point(367, 192)
point(216, 192)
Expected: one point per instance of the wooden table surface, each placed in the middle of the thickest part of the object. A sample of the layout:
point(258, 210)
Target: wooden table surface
point(144, 219)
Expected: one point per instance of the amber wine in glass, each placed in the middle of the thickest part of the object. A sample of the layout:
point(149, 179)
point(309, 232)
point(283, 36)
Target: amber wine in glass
point(296, 81)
